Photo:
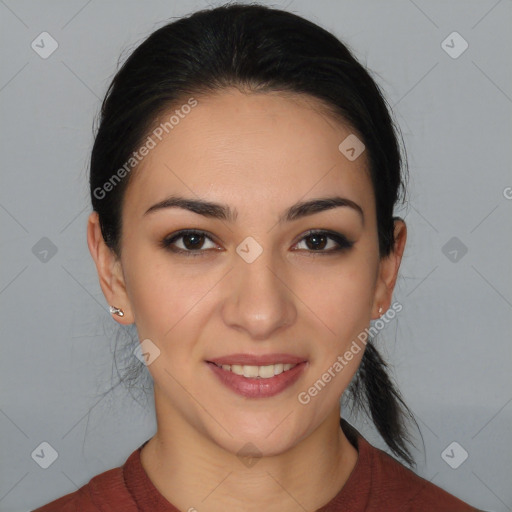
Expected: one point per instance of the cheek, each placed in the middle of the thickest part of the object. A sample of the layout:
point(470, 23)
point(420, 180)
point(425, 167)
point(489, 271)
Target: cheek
point(169, 301)
point(342, 299)
point(341, 296)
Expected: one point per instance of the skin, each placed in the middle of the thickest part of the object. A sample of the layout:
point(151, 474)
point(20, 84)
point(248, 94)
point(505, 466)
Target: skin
point(259, 154)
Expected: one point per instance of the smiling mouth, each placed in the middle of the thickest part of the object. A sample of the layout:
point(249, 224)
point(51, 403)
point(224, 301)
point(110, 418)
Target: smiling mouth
point(256, 372)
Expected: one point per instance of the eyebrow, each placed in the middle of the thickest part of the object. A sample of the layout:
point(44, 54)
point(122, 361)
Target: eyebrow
point(224, 212)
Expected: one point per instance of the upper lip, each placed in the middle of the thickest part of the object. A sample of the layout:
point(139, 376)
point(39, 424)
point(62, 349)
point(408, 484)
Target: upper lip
point(255, 360)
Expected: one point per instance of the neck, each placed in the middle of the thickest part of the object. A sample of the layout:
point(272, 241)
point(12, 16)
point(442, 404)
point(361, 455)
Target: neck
point(192, 471)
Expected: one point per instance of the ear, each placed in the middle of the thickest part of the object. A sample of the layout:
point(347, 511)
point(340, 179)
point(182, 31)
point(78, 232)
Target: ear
point(109, 269)
point(388, 270)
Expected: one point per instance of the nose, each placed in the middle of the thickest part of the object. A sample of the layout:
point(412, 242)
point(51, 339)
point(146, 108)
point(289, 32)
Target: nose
point(259, 300)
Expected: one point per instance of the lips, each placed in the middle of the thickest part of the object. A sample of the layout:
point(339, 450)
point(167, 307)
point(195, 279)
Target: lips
point(251, 387)
point(257, 360)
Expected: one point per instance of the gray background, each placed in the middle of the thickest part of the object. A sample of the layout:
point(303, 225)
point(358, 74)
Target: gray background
point(450, 346)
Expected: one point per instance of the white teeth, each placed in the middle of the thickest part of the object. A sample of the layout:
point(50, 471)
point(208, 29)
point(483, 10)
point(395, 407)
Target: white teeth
point(263, 372)
point(250, 371)
point(278, 368)
point(236, 368)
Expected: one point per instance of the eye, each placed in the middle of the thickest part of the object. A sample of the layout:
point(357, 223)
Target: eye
point(191, 245)
point(319, 239)
point(192, 242)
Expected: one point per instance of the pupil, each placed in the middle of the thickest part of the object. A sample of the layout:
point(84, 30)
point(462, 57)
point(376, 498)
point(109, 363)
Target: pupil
point(315, 238)
point(198, 240)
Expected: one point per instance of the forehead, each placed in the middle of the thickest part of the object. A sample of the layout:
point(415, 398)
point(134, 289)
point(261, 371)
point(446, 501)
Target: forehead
point(251, 150)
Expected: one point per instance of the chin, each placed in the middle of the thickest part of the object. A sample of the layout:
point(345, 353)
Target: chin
point(260, 437)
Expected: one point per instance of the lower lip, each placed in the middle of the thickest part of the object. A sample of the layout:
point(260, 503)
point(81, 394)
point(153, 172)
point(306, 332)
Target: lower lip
point(258, 388)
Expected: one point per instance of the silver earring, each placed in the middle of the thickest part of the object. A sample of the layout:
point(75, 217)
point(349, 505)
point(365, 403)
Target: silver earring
point(380, 310)
point(116, 311)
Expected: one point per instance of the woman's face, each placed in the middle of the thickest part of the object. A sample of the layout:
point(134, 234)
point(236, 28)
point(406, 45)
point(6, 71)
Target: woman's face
point(257, 283)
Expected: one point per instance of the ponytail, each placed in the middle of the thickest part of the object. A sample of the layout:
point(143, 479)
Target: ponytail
point(373, 391)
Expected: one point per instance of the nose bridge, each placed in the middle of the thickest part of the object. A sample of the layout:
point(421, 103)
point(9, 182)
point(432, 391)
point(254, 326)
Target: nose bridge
point(258, 300)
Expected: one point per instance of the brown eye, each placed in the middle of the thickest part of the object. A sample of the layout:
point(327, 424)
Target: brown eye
point(192, 242)
point(317, 241)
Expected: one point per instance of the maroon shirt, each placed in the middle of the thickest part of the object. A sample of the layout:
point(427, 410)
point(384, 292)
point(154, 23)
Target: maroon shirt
point(378, 483)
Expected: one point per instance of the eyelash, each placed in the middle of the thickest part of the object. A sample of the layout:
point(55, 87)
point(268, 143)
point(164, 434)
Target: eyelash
point(343, 243)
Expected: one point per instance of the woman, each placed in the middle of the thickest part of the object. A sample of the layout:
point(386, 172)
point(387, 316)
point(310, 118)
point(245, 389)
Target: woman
point(243, 181)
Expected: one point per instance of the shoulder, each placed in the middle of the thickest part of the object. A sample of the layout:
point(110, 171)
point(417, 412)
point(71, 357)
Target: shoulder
point(404, 490)
point(105, 492)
